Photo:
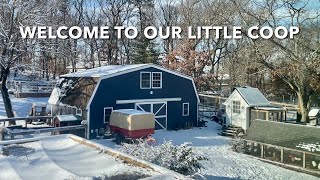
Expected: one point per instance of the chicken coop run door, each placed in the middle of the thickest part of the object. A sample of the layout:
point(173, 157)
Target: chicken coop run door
point(159, 109)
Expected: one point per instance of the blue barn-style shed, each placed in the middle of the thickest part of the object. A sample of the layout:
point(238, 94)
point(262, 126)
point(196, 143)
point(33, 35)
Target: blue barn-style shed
point(171, 96)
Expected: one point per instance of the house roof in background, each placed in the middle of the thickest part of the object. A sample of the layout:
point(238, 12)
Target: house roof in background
point(314, 112)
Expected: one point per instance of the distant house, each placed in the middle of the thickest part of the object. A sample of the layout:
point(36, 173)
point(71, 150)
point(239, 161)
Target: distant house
point(314, 116)
point(95, 93)
point(246, 104)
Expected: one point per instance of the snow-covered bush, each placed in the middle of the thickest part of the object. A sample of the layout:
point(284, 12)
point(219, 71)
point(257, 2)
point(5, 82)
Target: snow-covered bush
point(181, 159)
point(238, 145)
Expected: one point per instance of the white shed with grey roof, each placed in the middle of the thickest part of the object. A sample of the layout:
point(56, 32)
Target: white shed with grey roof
point(241, 104)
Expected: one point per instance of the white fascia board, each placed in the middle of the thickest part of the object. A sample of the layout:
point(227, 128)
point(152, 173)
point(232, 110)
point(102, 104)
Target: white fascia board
point(146, 100)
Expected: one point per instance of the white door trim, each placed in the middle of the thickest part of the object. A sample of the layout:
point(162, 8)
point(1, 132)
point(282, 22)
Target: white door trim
point(155, 114)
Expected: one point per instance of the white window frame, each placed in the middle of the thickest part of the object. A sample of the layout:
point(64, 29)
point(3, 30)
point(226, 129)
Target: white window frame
point(236, 107)
point(80, 110)
point(104, 113)
point(160, 80)
point(184, 109)
point(150, 82)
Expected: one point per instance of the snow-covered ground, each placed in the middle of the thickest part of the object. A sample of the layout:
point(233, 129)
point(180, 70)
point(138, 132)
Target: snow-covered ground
point(20, 106)
point(62, 158)
point(223, 163)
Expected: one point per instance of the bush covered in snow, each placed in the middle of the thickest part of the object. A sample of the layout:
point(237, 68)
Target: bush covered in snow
point(181, 159)
point(238, 145)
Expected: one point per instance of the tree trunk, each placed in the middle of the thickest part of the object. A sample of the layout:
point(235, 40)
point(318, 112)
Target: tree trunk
point(304, 106)
point(5, 94)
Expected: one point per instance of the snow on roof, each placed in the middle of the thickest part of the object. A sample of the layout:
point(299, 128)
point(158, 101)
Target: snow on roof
point(131, 111)
point(253, 96)
point(39, 104)
point(104, 70)
point(70, 117)
point(270, 108)
point(314, 112)
point(54, 97)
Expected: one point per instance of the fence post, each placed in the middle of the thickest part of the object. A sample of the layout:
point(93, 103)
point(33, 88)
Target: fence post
point(1, 133)
point(261, 145)
point(304, 160)
point(282, 155)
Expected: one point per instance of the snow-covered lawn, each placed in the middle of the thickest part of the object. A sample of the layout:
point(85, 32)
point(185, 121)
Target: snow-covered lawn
point(62, 158)
point(20, 106)
point(223, 163)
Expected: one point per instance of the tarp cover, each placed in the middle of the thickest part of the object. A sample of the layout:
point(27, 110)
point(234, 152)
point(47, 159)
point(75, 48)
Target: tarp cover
point(131, 119)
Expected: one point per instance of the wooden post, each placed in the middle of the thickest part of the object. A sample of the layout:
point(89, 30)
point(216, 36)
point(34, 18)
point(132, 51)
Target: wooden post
point(261, 147)
point(1, 133)
point(282, 154)
point(304, 160)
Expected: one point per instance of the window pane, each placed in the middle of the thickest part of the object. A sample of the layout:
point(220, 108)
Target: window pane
point(107, 113)
point(185, 109)
point(145, 80)
point(236, 107)
point(156, 80)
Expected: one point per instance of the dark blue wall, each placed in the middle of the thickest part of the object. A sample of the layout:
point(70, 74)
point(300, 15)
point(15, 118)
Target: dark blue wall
point(127, 87)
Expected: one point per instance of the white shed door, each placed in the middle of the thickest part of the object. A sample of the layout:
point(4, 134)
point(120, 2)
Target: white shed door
point(159, 109)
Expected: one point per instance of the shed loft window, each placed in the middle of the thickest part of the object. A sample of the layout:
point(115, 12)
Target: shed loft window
point(150, 80)
point(145, 80)
point(107, 114)
point(236, 107)
point(156, 80)
point(185, 109)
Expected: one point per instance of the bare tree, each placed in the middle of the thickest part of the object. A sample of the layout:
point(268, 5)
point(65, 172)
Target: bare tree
point(14, 14)
point(296, 60)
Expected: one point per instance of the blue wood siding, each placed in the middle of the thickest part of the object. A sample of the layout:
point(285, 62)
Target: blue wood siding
point(127, 87)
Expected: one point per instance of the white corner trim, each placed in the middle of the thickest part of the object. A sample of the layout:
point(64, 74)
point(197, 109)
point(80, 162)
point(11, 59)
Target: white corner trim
point(146, 100)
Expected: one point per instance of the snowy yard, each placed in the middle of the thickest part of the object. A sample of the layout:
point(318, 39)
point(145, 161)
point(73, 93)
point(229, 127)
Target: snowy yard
point(20, 106)
point(62, 158)
point(223, 163)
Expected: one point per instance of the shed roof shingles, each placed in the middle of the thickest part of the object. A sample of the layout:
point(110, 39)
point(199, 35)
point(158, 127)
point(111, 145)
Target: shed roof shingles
point(253, 96)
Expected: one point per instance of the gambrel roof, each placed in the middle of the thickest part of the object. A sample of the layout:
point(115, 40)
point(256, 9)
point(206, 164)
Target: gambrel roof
point(100, 73)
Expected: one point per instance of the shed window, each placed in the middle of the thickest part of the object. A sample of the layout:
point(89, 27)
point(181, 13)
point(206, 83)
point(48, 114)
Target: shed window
point(107, 114)
point(236, 107)
point(79, 112)
point(185, 109)
point(156, 80)
point(145, 80)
